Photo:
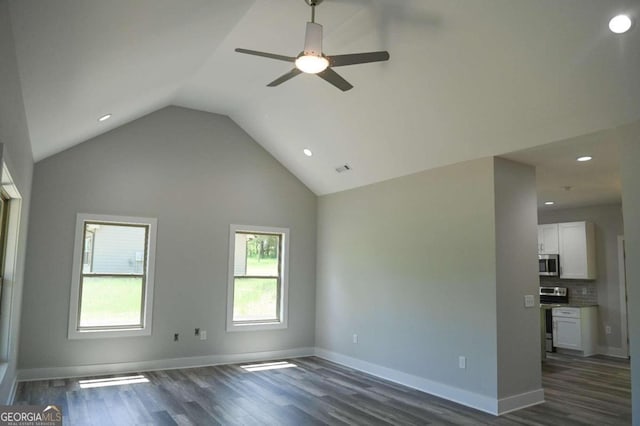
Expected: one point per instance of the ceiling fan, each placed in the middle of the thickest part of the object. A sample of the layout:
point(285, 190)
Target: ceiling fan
point(313, 61)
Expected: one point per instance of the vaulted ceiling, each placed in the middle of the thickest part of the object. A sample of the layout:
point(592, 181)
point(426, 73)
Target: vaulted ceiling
point(466, 79)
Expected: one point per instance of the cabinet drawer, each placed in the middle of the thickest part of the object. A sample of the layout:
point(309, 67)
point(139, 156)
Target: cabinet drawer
point(566, 312)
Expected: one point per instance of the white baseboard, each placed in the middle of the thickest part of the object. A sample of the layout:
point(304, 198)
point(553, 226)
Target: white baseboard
point(461, 396)
point(162, 364)
point(518, 402)
point(470, 399)
point(610, 351)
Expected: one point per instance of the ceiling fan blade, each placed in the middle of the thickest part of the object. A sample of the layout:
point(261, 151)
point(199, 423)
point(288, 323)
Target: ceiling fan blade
point(358, 58)
point(267, 55)
point(334, 78)
point(284, 77)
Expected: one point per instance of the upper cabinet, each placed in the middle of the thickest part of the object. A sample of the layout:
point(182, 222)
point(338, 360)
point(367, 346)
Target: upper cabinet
point(577, 250)
point(575, 243)
point(548, 239)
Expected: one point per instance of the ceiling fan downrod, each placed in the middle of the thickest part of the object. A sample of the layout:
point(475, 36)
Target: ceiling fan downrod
point(313, 4)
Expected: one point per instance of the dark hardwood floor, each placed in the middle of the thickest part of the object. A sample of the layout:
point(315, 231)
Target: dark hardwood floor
point(591, 391)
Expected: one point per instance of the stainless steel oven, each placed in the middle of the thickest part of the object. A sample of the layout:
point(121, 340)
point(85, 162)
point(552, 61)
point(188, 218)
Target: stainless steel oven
point(551, 297)
point(549, 265)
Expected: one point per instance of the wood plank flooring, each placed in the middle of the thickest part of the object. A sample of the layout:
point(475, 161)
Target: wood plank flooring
point(591, 391)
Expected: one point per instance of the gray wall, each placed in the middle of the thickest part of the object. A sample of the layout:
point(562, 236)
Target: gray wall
point(629, 145)
point(516, 275)
point(432, 266)
point(197, 173)
point(409, 265)
point(14, 135)
point(608, 225)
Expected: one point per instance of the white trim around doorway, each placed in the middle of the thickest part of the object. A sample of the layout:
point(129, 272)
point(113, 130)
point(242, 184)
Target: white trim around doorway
point(624, 328)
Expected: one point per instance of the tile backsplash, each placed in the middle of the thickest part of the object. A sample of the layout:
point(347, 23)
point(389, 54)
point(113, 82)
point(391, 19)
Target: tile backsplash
point(576, 288)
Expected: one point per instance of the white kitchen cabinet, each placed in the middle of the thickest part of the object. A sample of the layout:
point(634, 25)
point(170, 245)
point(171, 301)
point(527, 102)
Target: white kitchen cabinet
point(576, 243)
point(567, 333)
point(575, 329)
point(548, 239)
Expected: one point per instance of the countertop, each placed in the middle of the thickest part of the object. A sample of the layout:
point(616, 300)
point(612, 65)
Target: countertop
point(567, 305)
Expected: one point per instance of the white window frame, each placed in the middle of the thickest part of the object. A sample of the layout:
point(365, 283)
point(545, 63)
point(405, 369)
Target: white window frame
point(8, 299)
point(74, 308)
point(284, 279)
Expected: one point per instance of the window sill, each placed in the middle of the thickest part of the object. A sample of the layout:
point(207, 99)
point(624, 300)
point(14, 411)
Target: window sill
point(256, 326)
point(109, 334)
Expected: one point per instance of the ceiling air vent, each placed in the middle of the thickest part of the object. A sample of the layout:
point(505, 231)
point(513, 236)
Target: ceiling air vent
point(344, 168)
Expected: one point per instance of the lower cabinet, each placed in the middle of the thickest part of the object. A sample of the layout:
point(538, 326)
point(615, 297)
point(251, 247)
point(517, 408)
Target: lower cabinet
point(567, 333)
point(575, 329)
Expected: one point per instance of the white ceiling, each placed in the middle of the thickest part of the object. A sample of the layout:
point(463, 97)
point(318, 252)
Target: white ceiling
point(465, 80)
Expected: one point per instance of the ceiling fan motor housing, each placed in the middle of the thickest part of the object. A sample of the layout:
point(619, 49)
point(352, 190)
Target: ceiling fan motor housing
point(313, 40)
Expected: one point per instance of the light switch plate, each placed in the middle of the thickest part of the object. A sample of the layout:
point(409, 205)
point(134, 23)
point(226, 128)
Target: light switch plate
point(529, 301)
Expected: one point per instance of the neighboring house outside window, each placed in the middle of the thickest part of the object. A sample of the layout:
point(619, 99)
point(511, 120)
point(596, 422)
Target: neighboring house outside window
point(258, 278)
point(87, 258)
point(112, 287)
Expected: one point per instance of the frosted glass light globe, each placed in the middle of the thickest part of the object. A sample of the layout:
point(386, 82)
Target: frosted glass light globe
point(312, 64)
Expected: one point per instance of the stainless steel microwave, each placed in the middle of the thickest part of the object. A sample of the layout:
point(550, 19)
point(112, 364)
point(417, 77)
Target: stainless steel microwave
point(549, 265)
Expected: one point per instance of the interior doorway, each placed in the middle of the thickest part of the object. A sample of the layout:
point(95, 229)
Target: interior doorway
point(622, 274)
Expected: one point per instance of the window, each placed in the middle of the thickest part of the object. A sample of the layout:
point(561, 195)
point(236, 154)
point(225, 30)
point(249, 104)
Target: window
point(9, 238)
point(4, 222)
point(112, 287)
point(258, 270)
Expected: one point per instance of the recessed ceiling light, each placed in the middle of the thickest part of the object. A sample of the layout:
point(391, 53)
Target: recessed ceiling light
point(584, 158)
point(620, 24)
point(307, 152)
point(104, 118)
point(549, 203)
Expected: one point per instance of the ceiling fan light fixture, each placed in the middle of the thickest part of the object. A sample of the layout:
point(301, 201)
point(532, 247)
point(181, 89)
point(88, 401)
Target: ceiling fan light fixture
point(312, 64)
point(311, 61)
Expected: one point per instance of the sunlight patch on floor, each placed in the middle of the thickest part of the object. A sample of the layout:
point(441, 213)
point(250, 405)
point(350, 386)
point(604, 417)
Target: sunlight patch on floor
point(112, 381)
point(268, 366)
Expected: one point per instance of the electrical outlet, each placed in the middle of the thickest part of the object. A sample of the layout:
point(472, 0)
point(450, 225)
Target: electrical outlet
point(203, 335)
point(462, 361)
point(584, 291)
point(197, 332)
point(529, 301)
point(176, 337)
point(607, 329)
point(355, 338)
